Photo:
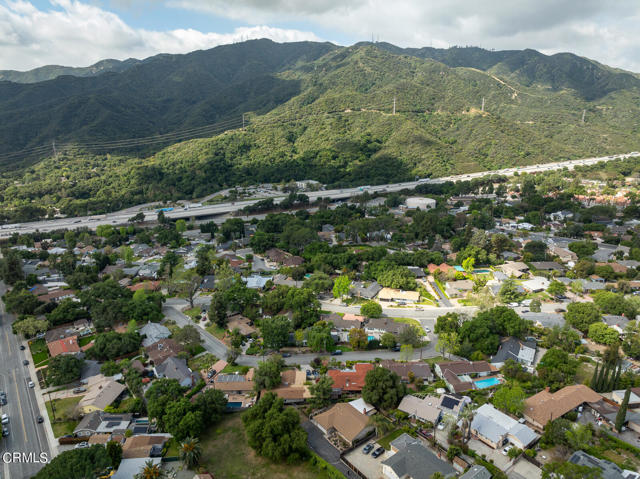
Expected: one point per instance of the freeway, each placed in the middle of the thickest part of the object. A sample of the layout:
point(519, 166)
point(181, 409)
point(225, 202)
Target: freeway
point(121, 217)
point(26, 435)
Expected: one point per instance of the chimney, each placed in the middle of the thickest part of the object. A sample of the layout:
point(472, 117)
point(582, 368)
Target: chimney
point(364, 411)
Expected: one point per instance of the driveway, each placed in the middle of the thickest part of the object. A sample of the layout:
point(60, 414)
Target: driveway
point(368, 465)
point(324, 449)
point(501, 461)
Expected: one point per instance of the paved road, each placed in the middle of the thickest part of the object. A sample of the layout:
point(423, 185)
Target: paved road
point(121, 217)
point(442, 296)
point(324, 448)
point(26, 436)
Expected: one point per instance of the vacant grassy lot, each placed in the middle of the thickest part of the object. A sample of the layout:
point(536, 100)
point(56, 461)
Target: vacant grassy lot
point(64, 414)
point(585, 372)
point(226, 454)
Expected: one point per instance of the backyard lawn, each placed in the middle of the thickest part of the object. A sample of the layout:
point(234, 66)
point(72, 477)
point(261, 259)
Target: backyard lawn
point(216, 330)
point(39, 351)
point(204, 361)
point(226, 454)
point(386, 440)
point(585, 371)
point(64, 413)
point(84, 340)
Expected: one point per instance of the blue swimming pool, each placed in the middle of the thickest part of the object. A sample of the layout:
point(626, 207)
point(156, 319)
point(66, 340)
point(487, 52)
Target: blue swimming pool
point(487, 383)
point(234, 405)
point(459, 268)
point(481, 271)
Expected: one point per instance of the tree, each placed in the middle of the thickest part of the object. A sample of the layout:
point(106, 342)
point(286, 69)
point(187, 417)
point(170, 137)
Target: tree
point(114, 450)
point(11, 267)
point(509, 292)
point(371, 309)
point(181, 226)
point(30, 326)
point(113, 345)
point(183, 419)
point(63, 369)
point(536, 305)
point(556, 288)
point(341, 286)
point(187, 283)
point(319, 337)
point(275, 331)
point(151, 470)
point(468, 264)
point(137, 218)
point(169, 261)
point(537, 250)
point(321, 391)
point(583, 249)
point(218, 309)
point(510, 399)
point(358, 338)
point(447, 323)
point(274, 430)
point(190, 452)
point(388, 340)
point(267, 374)
point(621, 417)
point(383, 388)
point(126, 253)
point(603, 334)
point(578, 436)
point(188, 336)
point(447, 343)
point(213, 404)
point(411, 335)
point(159, 395)
point(581, 315)
point(569, 470)
point(556, 368)
point(86, 462)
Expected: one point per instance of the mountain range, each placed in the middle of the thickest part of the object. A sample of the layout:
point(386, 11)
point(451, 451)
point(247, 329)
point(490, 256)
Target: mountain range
point(342, 115)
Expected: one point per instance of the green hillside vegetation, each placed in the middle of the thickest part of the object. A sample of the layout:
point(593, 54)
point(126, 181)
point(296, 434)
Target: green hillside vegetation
point(336, 126)
point(50, 72)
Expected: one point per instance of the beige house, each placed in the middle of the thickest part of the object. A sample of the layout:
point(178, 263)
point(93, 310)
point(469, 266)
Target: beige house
point(100, 395)
point(543, 407)
point(344, 420)
point(390, 294)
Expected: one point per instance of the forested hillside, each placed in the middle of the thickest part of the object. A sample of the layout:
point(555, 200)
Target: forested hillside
point(325, 112)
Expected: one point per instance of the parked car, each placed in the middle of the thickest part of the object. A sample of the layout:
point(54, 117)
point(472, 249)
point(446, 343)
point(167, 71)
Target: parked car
point(378, 452)
point(286, 355)
point(506, 450)
point(81, 445)
point(40, 419)
point(4, 419)
point(337, 352)
point(25, 362)
point(367, 449)
point(79, 390)
point(22, 348)
point(31, 384)
point(211, 373)
point(5, 431)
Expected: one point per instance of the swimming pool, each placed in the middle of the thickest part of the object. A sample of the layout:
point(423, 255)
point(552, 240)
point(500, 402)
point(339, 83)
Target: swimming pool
point(234, 405)
point(459, 268)
point(487, 383)
point(481, 271)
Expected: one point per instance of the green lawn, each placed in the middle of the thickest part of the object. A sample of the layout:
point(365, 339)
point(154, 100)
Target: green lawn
point(344, 349)
point(225, 453)
point(65, 421)
point(216, 330)
point(231, 369)
point(386, 440)
point(204, 361)
point(39, 350)
point(585, 372)
point(83, 341)
point(172, 448)
point(194, 313)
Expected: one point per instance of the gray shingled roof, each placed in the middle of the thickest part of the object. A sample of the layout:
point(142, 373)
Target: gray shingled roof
point(416, 461)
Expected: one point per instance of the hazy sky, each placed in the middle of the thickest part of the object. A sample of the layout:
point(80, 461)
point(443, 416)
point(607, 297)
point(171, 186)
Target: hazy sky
point(79, 33)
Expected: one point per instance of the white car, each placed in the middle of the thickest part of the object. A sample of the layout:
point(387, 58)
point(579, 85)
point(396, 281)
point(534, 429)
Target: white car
point(81, 445)
point(5, 419)
point(31, 384)
point(506, 450)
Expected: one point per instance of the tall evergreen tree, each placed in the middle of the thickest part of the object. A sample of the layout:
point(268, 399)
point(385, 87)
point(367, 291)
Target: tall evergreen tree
point(616, 379)
point(603, 374)
point(622, 412)
point(594, 379)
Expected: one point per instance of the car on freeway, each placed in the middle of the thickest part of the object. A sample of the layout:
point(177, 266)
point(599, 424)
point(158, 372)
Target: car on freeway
point(367, 449)
point(378, 452)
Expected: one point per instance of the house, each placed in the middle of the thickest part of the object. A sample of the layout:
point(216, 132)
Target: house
point(235, 383)
point(208, 283)
point(68, 345)
point(608, 411)
point(460, 288)
point(544, 320)
point(634, 397)
point(514, 268)
point(88, 424)
point(545, 406)
point(152, 333)
point(496, 429)
point(619, 323)
point(129, 468)
point(443, 268)
point(536, 284)
point(616, 267)
point(523, 352)
point(565, 255)
point(57, 295)
point(412, 460)
point(363, 406)
point(547, 266)
point(175, 368)
point(344, 420)
point(453, 404)
point(376, 327)
point(341, 327)
point(100, 395)
point(277, 256)
point(476, 472)
point(255, 281)
point(242, 324)
point(398, 295)
point(364, 290)
point(416, 271)
point(144, 445)
point(161, 350)
point(293, 388)
point(425, 409)
point(350, 380)
point(411, 369)
point(609, 469)
point(458, 374)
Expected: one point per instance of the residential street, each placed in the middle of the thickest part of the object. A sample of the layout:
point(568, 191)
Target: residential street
point(26, 435)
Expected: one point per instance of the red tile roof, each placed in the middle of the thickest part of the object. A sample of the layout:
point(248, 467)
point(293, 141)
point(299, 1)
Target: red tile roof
point(350, 380)
point(64, 346)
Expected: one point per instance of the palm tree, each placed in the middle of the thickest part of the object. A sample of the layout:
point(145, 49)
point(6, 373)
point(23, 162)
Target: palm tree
point(437, 475)
point(466, 414)
point(381, 423)
point(190, 452)
point(151, 471)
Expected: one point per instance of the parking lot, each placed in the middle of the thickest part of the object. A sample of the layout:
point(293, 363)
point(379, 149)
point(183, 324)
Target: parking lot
point(368, 465)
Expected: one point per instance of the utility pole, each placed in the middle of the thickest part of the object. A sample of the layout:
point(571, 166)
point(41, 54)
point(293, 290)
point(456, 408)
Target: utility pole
point(584, 112)
point(243, 121)
point(394, 105)
point(55, 153)
point(482, 104)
